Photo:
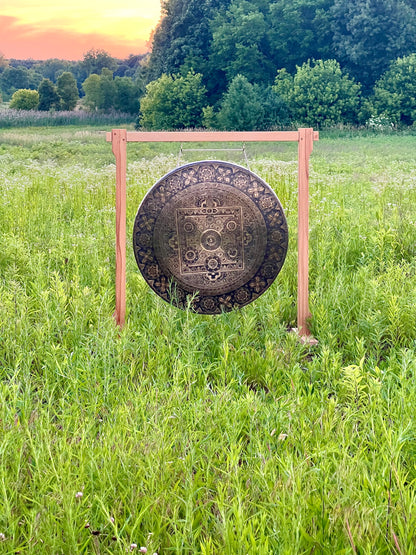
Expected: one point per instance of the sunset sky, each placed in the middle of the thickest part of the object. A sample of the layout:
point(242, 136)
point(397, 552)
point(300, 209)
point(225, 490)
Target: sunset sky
point(67, 29)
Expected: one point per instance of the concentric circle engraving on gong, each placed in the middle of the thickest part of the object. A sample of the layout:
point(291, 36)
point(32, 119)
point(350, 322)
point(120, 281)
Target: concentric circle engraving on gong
point(210, 240)
point(213, 230)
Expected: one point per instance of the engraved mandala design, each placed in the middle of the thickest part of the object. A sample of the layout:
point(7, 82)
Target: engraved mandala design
point(213, 231)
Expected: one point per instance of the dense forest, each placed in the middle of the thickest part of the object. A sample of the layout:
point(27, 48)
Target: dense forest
point(223, 38)
point(255, 64)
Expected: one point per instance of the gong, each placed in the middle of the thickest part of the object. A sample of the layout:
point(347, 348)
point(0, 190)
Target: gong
point(211, 235)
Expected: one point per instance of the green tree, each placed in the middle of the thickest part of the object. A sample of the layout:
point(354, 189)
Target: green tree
point(102, 92)
point(182, 43)
point(319, 94)
point(93, 93)
point(52, 68)
point(48, 96)
point(108, 89)
point(95, 60)
point(14, 78)
point(24, 99)
point(369, 34)
point(183, 36)
point(299, 30)
point(173, 102)
point(129, 66)
point(241, 107)
point(395, 91)
point(127, 97)
point(240, 45)
point(67, 90)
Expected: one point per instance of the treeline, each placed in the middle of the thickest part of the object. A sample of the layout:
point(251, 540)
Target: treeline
point(102, 82)
point(223, 38)
point(239, 64)
point(257, 64)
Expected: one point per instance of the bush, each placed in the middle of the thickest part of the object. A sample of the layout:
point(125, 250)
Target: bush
point(173, 102)
point(319, 95)
point(209, 117)
point(241, 107)
point(395, 92)
point(247, 107)
point(24, 99)
point(275, 110)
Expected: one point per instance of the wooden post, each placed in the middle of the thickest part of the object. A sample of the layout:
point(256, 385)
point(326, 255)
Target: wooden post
point(119, 141)
point(305, 146)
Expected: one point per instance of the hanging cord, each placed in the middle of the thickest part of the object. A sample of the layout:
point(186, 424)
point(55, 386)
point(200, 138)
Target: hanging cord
point(178, 163)
point(245, 155)
point(242, 149)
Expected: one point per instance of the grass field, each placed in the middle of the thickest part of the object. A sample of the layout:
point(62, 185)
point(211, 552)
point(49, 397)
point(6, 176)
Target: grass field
point(192, 434)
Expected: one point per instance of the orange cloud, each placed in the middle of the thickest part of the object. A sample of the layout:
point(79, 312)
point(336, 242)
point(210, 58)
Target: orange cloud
point(24, 41)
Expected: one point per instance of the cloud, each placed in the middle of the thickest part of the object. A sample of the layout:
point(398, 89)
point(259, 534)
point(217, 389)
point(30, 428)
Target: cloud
point(24, 41)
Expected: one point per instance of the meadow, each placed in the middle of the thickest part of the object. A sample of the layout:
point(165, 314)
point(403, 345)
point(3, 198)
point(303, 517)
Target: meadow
point(193, 434)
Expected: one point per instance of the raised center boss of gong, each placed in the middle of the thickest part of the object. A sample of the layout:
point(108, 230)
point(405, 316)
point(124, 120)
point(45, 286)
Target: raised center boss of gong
point(211, 240)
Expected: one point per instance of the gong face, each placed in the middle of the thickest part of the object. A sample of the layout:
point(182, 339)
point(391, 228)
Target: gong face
point(213, 231)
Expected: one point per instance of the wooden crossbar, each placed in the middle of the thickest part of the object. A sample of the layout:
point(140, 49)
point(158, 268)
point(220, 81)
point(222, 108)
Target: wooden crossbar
point(210, 136)
point(305, 138)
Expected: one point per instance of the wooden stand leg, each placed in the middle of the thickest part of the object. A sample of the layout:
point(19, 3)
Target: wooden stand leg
point(305, 146)
point(119, 141)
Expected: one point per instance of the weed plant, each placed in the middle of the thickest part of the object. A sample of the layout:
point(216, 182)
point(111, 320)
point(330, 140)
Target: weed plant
point(193, 434)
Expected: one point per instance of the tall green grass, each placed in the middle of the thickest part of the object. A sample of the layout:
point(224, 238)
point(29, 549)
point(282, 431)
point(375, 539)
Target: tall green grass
point(184, 433)
point(10, 118)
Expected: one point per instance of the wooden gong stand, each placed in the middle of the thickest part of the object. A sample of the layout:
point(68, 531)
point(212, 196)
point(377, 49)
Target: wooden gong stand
point(305, 138)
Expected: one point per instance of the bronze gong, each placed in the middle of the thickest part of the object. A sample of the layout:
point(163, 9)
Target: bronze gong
point(213, 232)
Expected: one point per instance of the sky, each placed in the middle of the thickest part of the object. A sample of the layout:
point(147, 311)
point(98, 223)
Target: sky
point(63, 29)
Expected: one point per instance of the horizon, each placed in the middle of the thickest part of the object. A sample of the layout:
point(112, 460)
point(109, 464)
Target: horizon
point(32, 59)
point(69, 31)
